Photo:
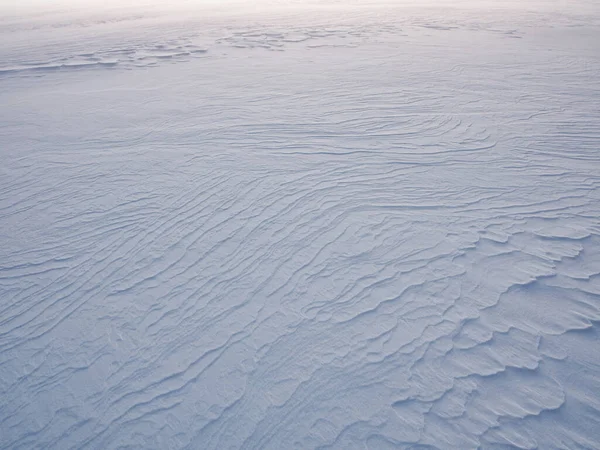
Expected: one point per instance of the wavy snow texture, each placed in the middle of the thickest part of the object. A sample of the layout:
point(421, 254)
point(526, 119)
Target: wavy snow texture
point(384, 235)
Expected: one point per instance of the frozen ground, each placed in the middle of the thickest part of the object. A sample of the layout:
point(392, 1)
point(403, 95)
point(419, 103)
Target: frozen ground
point(341, 225)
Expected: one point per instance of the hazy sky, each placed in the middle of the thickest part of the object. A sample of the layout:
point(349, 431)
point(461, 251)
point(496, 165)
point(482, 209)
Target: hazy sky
point(20, 8)
point(45, 4)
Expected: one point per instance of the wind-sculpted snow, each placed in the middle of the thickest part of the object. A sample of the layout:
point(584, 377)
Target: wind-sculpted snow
point(383, 235)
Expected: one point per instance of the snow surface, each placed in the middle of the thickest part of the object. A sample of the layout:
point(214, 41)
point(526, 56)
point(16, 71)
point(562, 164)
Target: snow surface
point(347, 225)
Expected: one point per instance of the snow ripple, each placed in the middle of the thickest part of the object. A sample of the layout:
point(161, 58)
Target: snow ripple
point(338, 248)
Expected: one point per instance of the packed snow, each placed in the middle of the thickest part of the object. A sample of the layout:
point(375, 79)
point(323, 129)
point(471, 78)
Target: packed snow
point(300, 225)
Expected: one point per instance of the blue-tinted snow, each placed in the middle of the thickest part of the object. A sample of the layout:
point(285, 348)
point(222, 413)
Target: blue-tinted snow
point(364, 226)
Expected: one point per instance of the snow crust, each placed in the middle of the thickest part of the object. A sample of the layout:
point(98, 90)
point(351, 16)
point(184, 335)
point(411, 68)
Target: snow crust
point(334, 225)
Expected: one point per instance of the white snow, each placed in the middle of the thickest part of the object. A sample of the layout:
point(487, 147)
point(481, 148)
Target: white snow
point(300, 225)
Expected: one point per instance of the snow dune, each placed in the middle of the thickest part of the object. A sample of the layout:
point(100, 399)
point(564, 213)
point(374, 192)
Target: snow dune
point(343, 225)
